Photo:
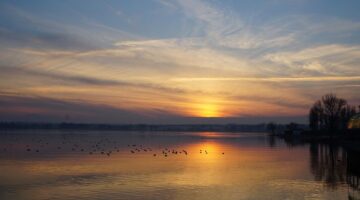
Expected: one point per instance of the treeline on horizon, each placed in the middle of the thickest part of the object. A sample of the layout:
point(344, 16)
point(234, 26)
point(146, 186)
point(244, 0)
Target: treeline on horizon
point(133, 127)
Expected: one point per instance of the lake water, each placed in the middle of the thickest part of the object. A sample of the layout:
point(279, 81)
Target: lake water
point(167, 165)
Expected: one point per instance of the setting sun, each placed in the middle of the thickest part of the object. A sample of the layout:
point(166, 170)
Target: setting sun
point(208, 110)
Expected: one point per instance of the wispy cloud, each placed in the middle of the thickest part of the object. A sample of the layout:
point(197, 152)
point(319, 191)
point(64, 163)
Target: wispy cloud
point(37, 108)
point(321, 60)
point(67, 79)
point(54, 34)
point(274, 79)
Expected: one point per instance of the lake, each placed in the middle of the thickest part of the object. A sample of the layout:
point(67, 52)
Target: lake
point(171, 165)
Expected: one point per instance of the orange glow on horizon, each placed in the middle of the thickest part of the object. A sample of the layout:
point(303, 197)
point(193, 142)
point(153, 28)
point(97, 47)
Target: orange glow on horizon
point(207, 108)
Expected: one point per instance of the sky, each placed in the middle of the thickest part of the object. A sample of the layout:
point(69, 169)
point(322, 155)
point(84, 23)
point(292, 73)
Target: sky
point(175, 61)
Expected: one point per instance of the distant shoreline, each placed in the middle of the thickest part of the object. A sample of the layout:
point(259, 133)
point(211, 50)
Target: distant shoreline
point(134, 127)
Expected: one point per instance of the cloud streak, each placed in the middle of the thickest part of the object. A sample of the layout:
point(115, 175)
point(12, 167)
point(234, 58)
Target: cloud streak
point(89, 81)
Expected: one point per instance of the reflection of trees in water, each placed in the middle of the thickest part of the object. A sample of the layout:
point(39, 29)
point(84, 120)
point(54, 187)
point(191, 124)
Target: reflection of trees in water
point(353, 174)
point(334, 165)
point(328, 164)
point(271, 141)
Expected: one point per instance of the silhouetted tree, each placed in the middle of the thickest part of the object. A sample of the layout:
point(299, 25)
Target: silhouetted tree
point(330, 113)
point(271, 127)
point(332, 110)
point(315, 116)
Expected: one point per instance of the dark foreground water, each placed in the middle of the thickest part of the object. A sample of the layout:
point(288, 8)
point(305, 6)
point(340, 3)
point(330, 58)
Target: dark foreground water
point(119, 165)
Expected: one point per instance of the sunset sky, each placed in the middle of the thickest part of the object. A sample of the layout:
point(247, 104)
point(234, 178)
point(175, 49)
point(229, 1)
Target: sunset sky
point(176, 61)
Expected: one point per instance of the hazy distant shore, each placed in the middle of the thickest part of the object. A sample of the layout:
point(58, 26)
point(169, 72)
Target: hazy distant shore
point(134, 127)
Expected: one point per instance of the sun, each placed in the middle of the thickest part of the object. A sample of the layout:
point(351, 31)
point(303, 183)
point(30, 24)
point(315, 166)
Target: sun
point(208, 110)
point(207, 107)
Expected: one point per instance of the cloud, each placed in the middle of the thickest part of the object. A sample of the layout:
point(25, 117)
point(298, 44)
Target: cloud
point(274, 79)
point(35, 108)
point(286, 101)
point(151, 57)
point(31, 30)
point(85, 80)
point(44, 39)
point(334, 59)
point(167, 4)
point(181, 52)
point(255, 51)
point(223, 27)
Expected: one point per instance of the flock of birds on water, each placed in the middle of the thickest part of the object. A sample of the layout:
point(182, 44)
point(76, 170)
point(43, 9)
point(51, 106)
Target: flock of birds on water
point(104, 146)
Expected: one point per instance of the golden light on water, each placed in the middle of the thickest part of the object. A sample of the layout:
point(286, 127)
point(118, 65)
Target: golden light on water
point(207, 151)
point(214, 164)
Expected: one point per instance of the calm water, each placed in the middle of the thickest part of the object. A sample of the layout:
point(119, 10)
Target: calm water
point(119, 165)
